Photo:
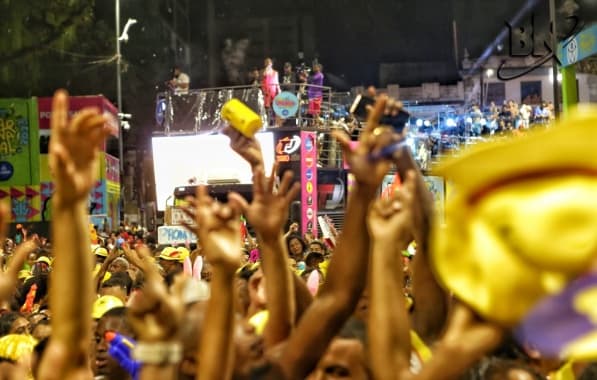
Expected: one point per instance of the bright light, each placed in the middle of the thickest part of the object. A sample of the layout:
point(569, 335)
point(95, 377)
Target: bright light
point(427, 123)
point(489, 73)
point(469, 120)
point(483, 121)
point(419, 123)
point(450, 122)
point(559, 77)
point(178, 158)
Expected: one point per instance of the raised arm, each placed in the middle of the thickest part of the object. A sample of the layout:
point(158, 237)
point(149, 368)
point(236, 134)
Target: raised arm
point(431, 301)
point(218, 229)
point(390, 225)
point(348, 269)
point(155, 316)
point(73, 161)
point(279, 284)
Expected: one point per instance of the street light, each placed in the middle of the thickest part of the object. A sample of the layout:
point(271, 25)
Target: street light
point(120, 37)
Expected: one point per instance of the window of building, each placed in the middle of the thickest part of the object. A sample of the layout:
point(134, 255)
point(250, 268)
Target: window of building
point(530, 92)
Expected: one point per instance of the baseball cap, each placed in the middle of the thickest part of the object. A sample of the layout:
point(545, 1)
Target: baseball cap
point(171, 254)
point(104, 304)
point(100, 251)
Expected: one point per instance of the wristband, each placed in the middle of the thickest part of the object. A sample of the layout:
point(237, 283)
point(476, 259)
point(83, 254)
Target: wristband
point(158, 353)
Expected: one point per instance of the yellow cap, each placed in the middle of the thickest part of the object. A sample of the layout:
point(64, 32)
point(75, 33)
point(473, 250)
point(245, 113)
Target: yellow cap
point(14, 346)
point(521, 220)
point(100, 251)
point(172, 254)
point(104, 304)
point(44, 259)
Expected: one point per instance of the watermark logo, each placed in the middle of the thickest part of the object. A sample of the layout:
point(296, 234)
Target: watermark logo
point(522, 43)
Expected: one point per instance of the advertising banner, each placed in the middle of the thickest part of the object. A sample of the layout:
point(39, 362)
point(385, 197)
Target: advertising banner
point(77, 103)
point(309, 182)
point(19, 142)
point(286, 105)
point(25, 202)
point(173, 235)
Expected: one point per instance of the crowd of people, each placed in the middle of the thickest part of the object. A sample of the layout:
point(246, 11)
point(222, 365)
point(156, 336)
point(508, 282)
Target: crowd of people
point(399, 295)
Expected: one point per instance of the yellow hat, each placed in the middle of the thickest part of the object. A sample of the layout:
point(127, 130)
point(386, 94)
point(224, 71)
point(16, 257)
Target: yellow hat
point(104, 304)
point(184, 253)
point(522, 218)
point(14, 346)
point(172, 254)
point(44, 259)
point(100, 251)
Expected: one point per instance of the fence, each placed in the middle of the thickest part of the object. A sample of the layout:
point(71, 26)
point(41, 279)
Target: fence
point(199, 111)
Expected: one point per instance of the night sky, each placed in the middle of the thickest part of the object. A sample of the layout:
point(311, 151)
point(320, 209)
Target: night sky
point(352, 37)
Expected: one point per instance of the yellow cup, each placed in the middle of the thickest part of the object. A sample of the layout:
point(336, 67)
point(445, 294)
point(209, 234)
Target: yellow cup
point(241, 117)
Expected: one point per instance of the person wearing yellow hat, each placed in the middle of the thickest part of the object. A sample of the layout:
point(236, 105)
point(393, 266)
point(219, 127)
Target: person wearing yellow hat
point(171, 260)
point(103, 304)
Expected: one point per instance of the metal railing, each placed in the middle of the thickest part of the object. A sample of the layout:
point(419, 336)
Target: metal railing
point(199, 111)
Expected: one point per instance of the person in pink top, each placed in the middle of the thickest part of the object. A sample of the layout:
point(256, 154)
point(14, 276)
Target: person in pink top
point(270, 83)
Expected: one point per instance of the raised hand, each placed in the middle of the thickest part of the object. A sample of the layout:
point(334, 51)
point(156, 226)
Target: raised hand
point(367, 172)
point(218, 228)
point(267, 202)
point(247, 148)
point(393, 218)
point(155, 314)
point(74, 148)
point(8, 279)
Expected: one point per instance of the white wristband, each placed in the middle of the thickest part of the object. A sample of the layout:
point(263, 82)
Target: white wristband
point(158, 353)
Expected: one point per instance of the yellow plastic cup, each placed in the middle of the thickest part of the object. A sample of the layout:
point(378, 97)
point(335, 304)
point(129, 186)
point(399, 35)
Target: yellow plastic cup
point(241, 117)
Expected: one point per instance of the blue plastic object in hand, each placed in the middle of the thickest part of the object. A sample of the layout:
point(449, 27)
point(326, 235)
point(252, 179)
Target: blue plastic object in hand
point(121, 350)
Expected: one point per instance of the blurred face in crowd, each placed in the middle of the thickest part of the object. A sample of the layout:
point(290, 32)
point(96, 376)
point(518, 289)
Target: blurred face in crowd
point(249, 350)
point(295, 247)
point(105, 364)
point(344, 360)
point(169, 266)
point(191, 331)
point(267, 62)
point(117, 266)
point(20, 326)
point(42, 331)
point(316, 247)
point(31, 259)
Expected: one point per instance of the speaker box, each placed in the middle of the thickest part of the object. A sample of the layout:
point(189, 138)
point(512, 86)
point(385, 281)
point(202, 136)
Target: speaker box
point(218, 192)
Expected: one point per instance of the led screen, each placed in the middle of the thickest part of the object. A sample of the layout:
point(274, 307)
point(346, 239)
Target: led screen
point(203, 158)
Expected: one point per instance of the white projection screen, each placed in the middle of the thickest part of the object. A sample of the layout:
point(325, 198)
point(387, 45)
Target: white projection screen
point(177, 159)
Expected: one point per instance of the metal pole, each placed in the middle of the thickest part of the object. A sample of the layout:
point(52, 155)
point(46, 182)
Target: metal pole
point(119, 89)
point(554, 48)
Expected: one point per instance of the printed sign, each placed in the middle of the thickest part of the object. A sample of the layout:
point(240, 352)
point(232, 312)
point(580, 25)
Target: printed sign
point(287, 148)
point(112, 169)
point(179, 218)
point(578, 47)
point(308, 179)
point(173, 235)
point(77, 103)
point(286, 104)
point(19, 143)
